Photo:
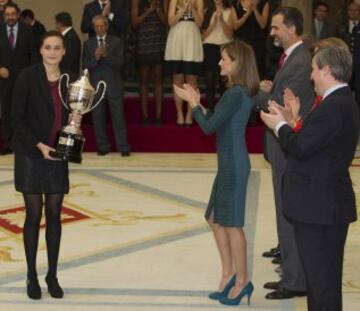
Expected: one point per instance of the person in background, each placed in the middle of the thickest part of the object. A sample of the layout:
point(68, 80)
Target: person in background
point(226, 208)
point(217, 30)
point(2, 6)
point(103, 56)
point(149, 20)
point(16, 53)
point(184, 51)
point(250, 24)
point(71, 59)
point(321, 29)
point(37, 116)
point(38, 29)
point(116, 12)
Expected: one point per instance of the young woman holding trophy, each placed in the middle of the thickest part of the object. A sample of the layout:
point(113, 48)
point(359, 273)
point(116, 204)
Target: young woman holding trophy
point(37, 116)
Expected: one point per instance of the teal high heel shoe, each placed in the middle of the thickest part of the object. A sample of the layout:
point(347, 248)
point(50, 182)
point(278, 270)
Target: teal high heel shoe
point(246, 291)
point(225, 291)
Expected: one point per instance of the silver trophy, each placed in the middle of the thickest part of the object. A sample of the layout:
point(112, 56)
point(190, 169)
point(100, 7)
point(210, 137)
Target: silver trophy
point(80, 99)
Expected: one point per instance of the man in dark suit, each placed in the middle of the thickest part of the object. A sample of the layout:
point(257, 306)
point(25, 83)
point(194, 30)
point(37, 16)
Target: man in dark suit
point(116, 11)
point(103, 56)
point(321, 29)
point(71, 59)
point(2, 6)
point(17, 52)
point(348, 29)
point(38, 29)
point(317, 189)
point(293, 72)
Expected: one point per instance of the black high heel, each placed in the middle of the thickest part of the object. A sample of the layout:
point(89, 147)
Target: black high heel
point(54, 288)
point(33, 289)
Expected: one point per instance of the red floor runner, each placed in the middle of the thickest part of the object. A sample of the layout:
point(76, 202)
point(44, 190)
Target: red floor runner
point(168, 137)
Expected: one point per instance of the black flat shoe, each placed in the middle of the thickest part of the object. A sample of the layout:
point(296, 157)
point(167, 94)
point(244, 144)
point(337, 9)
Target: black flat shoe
point(283, 293)
point(274, 252)
point(33, 289)
point(54, 288)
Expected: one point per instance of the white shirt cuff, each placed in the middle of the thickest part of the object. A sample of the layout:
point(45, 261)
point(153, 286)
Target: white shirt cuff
point(278, 126)
point(111, 16)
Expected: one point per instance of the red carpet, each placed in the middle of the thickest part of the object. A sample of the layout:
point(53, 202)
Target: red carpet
point(168, 137)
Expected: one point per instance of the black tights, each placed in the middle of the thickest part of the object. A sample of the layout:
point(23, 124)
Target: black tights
point(211, 77)
point(33, 206)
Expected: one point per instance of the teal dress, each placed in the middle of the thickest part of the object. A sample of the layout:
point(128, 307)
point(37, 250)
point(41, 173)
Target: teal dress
point(229, 120)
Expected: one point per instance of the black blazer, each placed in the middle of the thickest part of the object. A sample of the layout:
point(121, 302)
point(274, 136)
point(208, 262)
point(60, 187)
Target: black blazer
point(38, 29)
point(32, 112)
point(71, 59)
point(317, 187)
point(22, 56)
point(116, 26)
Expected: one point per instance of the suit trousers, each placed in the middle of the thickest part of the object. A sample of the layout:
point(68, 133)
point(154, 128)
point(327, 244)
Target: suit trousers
point(118, 124)
point(293, 277)
point(322, 252)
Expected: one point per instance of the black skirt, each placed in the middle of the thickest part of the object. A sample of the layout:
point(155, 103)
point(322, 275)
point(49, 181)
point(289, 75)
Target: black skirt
point(37, 175)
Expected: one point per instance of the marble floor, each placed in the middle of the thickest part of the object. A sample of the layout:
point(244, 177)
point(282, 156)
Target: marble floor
point(134, 237)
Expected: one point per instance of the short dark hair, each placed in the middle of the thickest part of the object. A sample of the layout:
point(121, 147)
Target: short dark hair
point(321, 3)
point(292, 17)
point(12, 5)
point(51, 33)
point(27, 13)
point(64, 18)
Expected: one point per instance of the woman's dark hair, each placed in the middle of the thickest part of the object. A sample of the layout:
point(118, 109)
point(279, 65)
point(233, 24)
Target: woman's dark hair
point(210, 9)
point(51, 33)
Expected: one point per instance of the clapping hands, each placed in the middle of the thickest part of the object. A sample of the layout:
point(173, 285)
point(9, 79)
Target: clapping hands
point(188, 93)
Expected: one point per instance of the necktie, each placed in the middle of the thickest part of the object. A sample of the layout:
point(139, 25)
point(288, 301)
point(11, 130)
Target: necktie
point(101, 41)
point(299, 123)
point(316, 103)
point(11, 38)
point(281, 60)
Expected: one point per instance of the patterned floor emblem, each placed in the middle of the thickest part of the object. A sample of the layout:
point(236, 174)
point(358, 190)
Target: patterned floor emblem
point(13, 219)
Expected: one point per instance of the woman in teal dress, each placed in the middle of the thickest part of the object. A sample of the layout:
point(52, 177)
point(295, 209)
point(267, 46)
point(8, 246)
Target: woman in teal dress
point(226, 209)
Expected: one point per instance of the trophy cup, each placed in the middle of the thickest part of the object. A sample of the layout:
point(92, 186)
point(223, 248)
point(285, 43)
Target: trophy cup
point(80, 99)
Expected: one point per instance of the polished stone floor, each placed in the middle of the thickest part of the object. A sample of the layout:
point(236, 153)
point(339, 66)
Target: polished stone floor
point(134, 237)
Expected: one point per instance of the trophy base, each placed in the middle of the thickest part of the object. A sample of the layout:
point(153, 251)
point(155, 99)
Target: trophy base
point(69, 147)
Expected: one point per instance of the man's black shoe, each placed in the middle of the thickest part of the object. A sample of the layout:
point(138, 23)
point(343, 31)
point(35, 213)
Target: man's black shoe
point(272, 253)
point(103, 152)
point(5, 151)
point(125, 153)
point(273, 285)
point(283, 293)
point(276, 261)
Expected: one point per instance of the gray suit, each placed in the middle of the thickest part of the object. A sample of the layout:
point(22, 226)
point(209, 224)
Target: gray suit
point(327, 31)
point(109, 70)
point(295, 75)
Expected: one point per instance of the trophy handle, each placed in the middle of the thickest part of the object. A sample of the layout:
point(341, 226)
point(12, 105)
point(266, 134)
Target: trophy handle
point(101, 82)
point(64, 75)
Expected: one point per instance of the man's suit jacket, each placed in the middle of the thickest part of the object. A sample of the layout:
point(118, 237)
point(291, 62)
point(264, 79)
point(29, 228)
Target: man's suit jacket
point(317, 188)
point(33, 113)
point(107, 69)
point(327, 31)
point(295, 75)
point(38, 30)
point(15, 60)
point(356, 65)
point(71, 59)
point(116, 26)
